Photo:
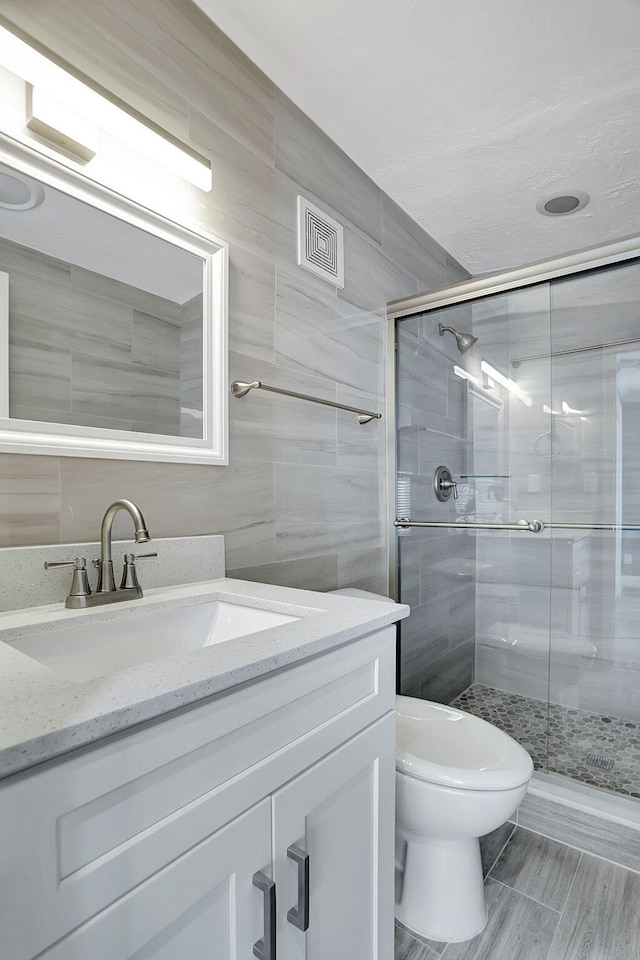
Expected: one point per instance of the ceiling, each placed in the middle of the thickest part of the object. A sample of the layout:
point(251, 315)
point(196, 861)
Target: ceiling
point(468, 113)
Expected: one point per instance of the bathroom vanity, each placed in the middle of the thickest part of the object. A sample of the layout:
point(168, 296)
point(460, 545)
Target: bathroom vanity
point(231, 801)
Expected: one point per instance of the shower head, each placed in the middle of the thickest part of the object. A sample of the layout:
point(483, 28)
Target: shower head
point(464, 341)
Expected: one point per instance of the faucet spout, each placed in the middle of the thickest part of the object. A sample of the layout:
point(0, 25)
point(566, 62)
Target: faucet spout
point(106, 579)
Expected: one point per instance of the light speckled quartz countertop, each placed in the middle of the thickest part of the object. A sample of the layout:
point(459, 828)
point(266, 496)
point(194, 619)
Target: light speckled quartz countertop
point(45, 714)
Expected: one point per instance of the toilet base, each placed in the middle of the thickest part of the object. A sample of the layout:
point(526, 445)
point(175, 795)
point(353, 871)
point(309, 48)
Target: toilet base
point(443, 890)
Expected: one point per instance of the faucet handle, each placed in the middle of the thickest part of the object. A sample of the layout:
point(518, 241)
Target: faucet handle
point(129, 574)
point(80, 582)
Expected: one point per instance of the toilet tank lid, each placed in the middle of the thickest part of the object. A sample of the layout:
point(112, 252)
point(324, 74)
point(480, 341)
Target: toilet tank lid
point(439, 744)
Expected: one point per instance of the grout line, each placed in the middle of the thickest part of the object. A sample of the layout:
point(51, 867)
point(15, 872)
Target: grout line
point(501, 851)
point(418, 939)
point(573, 880)
point(555, 932)
point(526, 896)
point(588, 853)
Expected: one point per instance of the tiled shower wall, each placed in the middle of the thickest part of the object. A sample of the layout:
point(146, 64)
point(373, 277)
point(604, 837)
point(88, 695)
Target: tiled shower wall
point(437, 568)
point(303, 500)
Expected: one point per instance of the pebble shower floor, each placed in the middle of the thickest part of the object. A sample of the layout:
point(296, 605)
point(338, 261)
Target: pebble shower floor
point(591, 748)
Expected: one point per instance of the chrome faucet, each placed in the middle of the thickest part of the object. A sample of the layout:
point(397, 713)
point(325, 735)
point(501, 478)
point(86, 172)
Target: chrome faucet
point(106, 580)
point(80, 595)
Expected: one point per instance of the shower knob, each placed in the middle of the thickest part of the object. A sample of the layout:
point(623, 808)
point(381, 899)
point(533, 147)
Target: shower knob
point(444, 484)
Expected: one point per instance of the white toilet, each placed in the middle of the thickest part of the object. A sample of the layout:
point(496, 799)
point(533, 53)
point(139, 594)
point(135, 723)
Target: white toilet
point(457, 778)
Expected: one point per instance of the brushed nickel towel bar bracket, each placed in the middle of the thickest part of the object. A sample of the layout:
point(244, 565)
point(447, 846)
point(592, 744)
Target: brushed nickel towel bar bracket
point(520, 526)
point(239, 388)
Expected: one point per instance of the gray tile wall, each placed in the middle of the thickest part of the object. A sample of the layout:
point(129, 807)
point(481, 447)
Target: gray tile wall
point(303, 500)
point(437, 570)
point(89, 350)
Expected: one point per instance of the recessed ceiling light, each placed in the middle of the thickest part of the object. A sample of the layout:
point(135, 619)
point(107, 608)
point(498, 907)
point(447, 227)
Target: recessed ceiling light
point(18, 194)
point(562, 204)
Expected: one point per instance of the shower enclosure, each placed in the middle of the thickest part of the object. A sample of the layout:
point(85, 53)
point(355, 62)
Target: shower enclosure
point(523, 568)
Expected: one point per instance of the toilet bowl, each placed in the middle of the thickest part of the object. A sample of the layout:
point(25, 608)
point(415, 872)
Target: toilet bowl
point(457, 778)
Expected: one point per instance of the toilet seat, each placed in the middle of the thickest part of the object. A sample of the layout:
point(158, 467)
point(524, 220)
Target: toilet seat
point(441, 745)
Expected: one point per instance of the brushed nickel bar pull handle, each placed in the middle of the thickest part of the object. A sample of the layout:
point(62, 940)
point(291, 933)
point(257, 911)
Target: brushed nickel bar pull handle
point(240, 388)
point(299, 915)
point(265, 948)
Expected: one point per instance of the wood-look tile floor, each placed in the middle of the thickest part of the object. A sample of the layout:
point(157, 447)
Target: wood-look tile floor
point(546, 901)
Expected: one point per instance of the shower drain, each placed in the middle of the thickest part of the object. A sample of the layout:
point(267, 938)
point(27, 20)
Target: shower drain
point(593, 760)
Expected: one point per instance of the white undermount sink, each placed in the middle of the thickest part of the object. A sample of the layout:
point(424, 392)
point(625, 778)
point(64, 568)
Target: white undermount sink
point(85, 649)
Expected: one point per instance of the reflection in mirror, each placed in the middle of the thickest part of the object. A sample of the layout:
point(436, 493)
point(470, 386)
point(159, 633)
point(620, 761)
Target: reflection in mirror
point(112, 322)
point(105, 319)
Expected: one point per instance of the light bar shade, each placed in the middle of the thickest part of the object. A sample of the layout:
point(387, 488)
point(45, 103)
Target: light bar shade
point(70, 131)
point(87, 104)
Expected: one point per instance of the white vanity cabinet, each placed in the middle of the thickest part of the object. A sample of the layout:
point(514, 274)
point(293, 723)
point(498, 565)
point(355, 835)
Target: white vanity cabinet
point(147, 845)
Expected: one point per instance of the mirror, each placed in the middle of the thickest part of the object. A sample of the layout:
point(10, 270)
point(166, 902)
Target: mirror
point(112, 322)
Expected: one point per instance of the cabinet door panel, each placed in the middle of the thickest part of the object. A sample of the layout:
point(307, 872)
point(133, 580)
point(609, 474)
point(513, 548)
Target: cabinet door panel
point(202, 906)
point(78, 834)
point(341, 811)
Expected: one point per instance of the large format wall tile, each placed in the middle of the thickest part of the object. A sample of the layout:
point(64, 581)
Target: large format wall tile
point(405, 242)
point(316, 573)
point(304, 499)
point(29, 500)
point(365, 569)
point(252, 322)
point(320, 506)
point(325, 337)
point(267, 426)
point(241, 208)
point(310, 158)
point(373, 278)
point(177, 500)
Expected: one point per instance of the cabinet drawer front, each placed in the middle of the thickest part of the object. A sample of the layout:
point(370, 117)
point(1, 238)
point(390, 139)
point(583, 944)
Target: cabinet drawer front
point(80, 833)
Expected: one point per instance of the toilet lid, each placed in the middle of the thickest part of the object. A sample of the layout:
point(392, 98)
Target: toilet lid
point(441, 745)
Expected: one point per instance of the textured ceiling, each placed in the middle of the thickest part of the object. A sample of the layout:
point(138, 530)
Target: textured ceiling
point(469, 113)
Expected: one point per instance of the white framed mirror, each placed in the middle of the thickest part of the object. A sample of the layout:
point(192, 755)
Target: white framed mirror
point(113, 322)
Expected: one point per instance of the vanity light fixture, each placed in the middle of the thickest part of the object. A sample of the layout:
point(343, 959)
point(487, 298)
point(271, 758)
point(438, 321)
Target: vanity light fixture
point(95, 106)
point(68, 130)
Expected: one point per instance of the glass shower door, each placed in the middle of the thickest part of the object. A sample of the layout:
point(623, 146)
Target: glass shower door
point(478, 635)
point(595, 672)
